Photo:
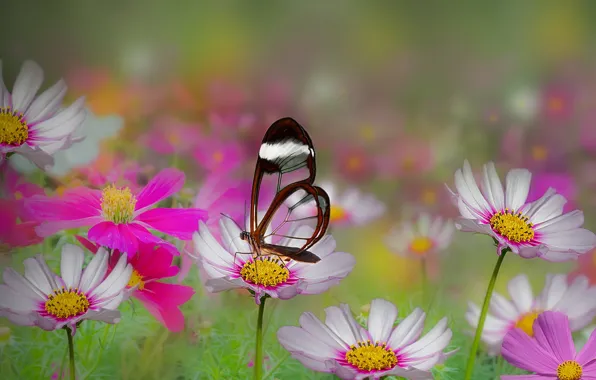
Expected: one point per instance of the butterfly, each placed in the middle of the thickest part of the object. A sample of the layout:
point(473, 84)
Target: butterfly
point(287, 148)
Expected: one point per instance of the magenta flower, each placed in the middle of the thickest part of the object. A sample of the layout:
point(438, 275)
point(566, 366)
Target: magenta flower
point(118, 218)
point(14, 231)
point(16, 189)
point(218, 156)
point(150, 264)
point(557, 102)
point(406, 156)
point(353, 162)
point(550, 354)
point(169, 136)
point(587, 131)
point(110, 169)
point(563, 183)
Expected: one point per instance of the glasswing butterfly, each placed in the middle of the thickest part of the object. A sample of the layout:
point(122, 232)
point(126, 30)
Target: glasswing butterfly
point(287, 149)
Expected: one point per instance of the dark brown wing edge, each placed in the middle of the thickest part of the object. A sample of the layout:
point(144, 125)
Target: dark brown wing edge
point(294, 253)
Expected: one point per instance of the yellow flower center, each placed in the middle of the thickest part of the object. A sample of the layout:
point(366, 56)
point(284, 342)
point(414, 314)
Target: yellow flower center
point(421, 245)
point(367, 132)
point(371, 357)
point(218, 156)
point(555, 104)
point(594, 258)
point(66, 303)
point(136, 280)
point(337, 214)
point(173, 138)
point(118, 205)
point(526, 322)
point(429, 197)
point(408, 163)
point(18, 195)
point(265, 271)
point(14, 130)
point(539, 153)
point(514, 227)
point(354, 163)
point(569, 370)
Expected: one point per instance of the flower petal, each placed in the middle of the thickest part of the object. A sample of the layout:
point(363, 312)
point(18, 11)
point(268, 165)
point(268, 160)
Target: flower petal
point(26, 85)
point(47, 103)
point(380, 320)
point(95, 271)
point(552, 333)
point(492, 187)
point(177, 222)
point(71, 265)
point(164, 184)
point(520, 350)
point(521, 294)
point(518, 187)
point(408, 330)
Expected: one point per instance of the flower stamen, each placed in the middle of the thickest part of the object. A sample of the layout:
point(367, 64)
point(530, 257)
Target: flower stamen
point(337, 214)
point(421, 245)
point(526, 322)
point(569, 370)
point(366, 356)
point(118, 205)
point(136, 280)
point(14, 130)
point(266, 271)
point(66, 303)
point(515, 227)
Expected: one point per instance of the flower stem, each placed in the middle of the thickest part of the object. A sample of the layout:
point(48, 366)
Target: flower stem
point(71, 353)
point(259, 342)
point(480, 327)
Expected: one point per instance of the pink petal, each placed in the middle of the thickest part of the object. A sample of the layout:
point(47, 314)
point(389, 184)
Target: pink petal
point(185, 265)
point(165, 183)
point(520, 350)
point(87, 244)
point(75, 204)
point(115, 236)
point(162, 301)
point(154, 262)
point(181, 223)
point(147, 237)
point(50, 228)
point(553, 334)
point(526, 377)
point(589, 351)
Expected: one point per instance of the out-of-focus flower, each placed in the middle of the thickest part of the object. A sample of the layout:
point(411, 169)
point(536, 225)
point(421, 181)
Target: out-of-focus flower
point(550, 354)
point(537, 229)
point(231, 265)
point(587, 131)
point(36, 127)
point(149, 265)
point(219, 156)
point(48, 301)
point(15, 188)
point(118, 218)
point(353, 162)
point(586, 266)
point(425, 237)
point(523, 103)
point(112, 169)
point(342, 347)
point(407, 156)
point(563, 183)
point(577, 300)
point(15, 229)
point(86, 148)
point(171, 136)
point(557, 103)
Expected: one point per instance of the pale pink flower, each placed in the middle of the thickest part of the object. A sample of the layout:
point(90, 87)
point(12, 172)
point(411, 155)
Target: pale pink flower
point(219, 156)
point(169, 135)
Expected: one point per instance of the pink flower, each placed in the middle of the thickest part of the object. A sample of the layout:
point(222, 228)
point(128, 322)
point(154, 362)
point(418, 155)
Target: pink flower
point(18, 190)
point(15, 232)
point(406, 156)
point(353, 162)
point(111, 169)
point(587, 131)
point(218, 156)
point(586, 266)
point(119, 219)
point(557, 102)
point(563, 183)
point(169, 136)
point(150, 264)
point(550, 353)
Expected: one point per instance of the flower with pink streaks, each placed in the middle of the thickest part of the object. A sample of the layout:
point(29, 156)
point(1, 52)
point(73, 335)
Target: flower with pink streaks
point(406, 156)
point(149, 265)
point(120, 219)
point(171, 136)
point(550, 354)
point(218, 156)
point(557, 103)
point(353, 162)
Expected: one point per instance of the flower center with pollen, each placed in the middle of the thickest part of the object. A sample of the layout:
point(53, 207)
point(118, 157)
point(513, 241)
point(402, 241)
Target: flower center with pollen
point(118, 205)
point(136, 280)
point(526, 322)
point(569, 370)
point(514, 227)
point(337, 214)
point(14, 131)
point(65, 304)
point(371, 357)
point(265, 271)
point(421, 245)
point(218, 157)
point(354, 163)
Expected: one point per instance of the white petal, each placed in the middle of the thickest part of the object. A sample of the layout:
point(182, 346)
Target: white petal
point(16, 302)
point(502, 308)
point(335, 265)
point(63, 123)
point(207, 246)
point(469, 192)
point(47, 103)
point(21, 285)
point(549, 206)
point(408, 330)
point(492, 187)
point(71, 265)
point(116, 280)
point(424, 224)
point(107, 316)
point(554, 288)
point(316, 328)
point(296, 339)
point(565, 222)
point(5, 98)
point(336, 321)
point(518, 187)
point(579, 239)
point(230, 233)
point(433, 341)
point(380, 320)
point(26, 85)
point(95, 271)
point(216, 285)
point(520, 291)
point(37, 271)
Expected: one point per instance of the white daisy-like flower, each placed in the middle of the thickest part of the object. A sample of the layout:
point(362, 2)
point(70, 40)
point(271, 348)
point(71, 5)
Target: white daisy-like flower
point(425, 237)
point(84, 149)
point(343, 347)
point(523, 103)
point(536, 229)
point(232, 266)
point(350, 208)
point(48, 301)
point(576, 300)
point(36, 127)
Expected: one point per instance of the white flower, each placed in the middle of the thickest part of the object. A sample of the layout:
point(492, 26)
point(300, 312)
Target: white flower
point(36, 127)
point(537, 229)
point(343, 347)
point(576, 300)
point(426, 236)
point(84, 149)
point(351, 208)
point(43, 299)
point(234, 266)
point(523, 103)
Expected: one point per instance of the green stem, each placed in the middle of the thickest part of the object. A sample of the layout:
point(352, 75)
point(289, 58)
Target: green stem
point(480, 327)
point(259, 342)
point(71, 353)
point(499, 367)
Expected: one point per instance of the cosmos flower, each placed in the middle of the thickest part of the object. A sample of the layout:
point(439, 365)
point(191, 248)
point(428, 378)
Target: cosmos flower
point(523, 103)
point(230, 265)
point(48, 301)
point(351, 208)
point(353, 162)
point(343, 347)
point(537, 229)
point(149, 265)
point(15, 230)
point(406, 156)
point(550, 354)
point(563, 183)
point(425, 237)
point(171, 136)
point(111, 169)
point(86, 148)
point(36, 127)
point(17, 189)
point(577, 300)
point(218, 156)
point(118, 218)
